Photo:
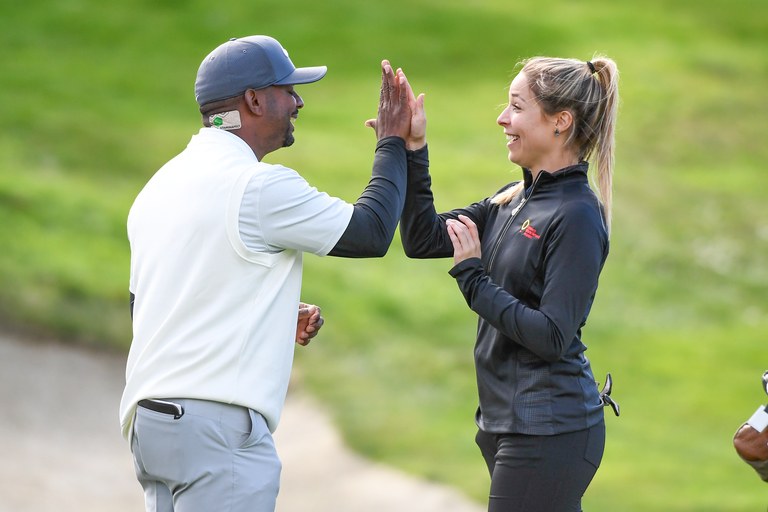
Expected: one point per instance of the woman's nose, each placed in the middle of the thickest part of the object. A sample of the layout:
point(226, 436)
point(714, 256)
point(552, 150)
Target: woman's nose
point(502, 119)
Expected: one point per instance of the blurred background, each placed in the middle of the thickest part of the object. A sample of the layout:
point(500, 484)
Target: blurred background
point(96, 96)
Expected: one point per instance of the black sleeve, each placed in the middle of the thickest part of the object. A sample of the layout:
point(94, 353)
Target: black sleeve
point(422, 230)
point(573, 261)
point(377, 210)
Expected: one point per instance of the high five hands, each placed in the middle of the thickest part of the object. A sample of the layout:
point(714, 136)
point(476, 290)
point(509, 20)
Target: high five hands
point(395, 101)
point(401, 113)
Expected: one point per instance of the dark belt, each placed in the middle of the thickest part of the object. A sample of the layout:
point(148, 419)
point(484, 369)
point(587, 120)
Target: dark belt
point(164, 407)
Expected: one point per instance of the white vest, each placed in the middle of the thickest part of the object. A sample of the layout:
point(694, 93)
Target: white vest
point(212, 319)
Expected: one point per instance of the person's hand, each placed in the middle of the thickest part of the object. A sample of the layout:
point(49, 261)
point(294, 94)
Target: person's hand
point(308, 324)
point(417, 137)
point(417, 134)
point(465, 239)
point(394, 116)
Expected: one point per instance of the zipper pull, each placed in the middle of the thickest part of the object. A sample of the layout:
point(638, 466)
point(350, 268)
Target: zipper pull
point(518, 207)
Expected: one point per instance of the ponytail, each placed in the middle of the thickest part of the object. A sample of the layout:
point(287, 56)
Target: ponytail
point(607, 75)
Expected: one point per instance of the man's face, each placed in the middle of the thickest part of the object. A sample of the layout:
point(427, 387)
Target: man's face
point(283, 104)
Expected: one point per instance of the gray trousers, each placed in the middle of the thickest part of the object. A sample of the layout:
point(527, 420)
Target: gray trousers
point(214, 457)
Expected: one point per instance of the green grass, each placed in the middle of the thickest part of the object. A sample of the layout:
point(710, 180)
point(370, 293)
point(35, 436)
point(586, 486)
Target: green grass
point(97, 96)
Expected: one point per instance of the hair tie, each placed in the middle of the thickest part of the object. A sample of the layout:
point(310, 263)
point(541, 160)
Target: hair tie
point(591, 67)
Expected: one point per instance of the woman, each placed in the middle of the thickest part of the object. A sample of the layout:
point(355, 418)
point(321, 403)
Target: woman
point(527, 260)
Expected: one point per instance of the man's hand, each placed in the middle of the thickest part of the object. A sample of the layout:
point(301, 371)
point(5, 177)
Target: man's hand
point(465, 239)
point(394, 116)
point(308, 324)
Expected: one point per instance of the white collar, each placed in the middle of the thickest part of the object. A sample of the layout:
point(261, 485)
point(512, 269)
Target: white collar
point(222, 138)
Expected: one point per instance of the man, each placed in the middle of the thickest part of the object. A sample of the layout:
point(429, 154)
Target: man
point(216, 240)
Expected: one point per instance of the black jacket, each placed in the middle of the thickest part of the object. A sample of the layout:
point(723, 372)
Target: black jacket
point(542, 254)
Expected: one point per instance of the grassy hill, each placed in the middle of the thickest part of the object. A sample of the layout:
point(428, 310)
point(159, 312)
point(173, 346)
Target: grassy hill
point(97, 96)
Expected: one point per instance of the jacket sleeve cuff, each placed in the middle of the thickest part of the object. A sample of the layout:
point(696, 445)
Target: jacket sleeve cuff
point(468, 265)
point(392, 140)
point(419, 156)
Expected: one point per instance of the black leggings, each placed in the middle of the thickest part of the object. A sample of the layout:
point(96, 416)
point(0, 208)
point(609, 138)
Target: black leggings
point(541, 473)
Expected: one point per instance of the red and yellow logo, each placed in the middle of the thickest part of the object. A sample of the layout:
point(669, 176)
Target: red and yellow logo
point(529, 231)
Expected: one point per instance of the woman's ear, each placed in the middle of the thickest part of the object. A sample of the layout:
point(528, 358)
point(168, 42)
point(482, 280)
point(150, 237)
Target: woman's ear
point(563, 121)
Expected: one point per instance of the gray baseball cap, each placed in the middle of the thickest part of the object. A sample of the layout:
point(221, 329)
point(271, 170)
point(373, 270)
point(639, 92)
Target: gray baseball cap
point(253, 62)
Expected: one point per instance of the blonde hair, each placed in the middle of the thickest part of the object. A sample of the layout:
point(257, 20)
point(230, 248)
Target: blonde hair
point(590, 92)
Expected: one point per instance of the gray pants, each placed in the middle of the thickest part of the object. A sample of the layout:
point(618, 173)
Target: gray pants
point(214, 457)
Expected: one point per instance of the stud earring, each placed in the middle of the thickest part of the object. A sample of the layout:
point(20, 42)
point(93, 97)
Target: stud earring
point(557, 132)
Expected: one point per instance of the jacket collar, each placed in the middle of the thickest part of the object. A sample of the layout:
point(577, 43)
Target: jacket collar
point(580, 168)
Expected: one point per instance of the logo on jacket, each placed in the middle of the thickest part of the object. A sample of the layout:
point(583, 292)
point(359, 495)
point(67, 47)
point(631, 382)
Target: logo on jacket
point(529, 231)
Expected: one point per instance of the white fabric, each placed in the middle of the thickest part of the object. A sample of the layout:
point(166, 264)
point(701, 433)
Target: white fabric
point(276, 209)
point(214, 320)
point(759, 420)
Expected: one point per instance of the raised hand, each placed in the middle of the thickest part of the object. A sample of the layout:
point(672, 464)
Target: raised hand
point(394, 116)
point(417, 137)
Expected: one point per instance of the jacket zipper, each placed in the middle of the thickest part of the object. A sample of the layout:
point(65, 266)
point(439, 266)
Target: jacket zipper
point(509, 222)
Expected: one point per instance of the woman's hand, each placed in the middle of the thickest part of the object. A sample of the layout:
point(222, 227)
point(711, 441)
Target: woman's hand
point(417, 138)
point(465, 238)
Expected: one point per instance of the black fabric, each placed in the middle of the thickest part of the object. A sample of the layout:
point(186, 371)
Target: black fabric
point(377, 210)
point(532, 289)
point(175, 410)
point(541, 473)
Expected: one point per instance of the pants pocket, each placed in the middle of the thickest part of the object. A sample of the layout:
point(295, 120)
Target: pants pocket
point(257, 431)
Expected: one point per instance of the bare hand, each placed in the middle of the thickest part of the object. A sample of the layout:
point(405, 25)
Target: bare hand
point(308, 324)
point(417, 134)
point(465, 238)
point(417, 137)
point(394, 116)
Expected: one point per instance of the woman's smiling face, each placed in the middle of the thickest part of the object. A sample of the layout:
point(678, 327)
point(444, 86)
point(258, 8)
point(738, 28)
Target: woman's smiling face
point(529, 131)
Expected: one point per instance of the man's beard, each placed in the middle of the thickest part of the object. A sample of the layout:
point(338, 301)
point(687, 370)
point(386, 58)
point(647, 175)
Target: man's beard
point(289, 139)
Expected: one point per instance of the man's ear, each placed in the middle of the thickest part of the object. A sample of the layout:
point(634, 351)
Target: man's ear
point(254, 101)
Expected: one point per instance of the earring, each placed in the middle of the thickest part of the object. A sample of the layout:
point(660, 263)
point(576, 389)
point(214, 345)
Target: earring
point(557, 132)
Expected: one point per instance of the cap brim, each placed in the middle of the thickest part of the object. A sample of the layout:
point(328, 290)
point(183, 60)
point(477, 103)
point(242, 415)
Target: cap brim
point(304, 76)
